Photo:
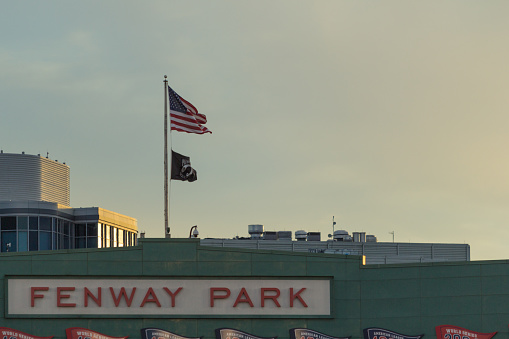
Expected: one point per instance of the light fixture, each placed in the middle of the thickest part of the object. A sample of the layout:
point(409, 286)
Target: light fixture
point(193, 232)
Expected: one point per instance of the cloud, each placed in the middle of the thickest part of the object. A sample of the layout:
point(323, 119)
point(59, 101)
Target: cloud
point(83, 40)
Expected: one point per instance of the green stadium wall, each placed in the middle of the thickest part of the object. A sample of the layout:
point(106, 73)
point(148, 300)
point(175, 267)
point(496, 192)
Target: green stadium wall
point(405, 298)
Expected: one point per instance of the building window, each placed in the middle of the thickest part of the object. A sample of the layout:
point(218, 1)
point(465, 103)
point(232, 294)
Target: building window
point(40, 233)
point(80, 230)
point(120, 238)
point(45, 239)
point(100, 237)
point(45, 224)
point(22, 241)
point(91, 242)
point(8, 224)
point(8, 234)
point(108, 235)
point(115, 236)
point(33, 223)
point(33, 241)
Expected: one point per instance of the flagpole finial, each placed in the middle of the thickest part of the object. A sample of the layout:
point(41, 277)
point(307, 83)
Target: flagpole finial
point(165, 77)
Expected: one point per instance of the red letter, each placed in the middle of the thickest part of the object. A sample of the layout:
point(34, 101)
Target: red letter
point(214, 296)
point(122, 294)
point(273, 297)
point(89, 294)
point(297, 296)
point(173, 295)
point(61, 296)
point(153, 298)
point(246, 298)
point(33, 295)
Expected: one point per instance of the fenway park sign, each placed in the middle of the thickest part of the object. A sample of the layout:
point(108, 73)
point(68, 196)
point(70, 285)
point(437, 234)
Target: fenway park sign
point(171, 297)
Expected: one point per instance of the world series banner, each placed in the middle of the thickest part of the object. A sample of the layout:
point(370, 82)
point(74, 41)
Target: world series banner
point(156, 333)
point(9, 333)
point(455, 332)
point(84, 333)
point(304, 333)
point(380, 333)
point(230, 333)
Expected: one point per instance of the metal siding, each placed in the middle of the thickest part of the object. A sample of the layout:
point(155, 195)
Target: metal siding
point(376, 253)
point(31, 177)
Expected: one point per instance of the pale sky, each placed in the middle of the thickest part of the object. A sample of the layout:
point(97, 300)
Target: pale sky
point(388, 115)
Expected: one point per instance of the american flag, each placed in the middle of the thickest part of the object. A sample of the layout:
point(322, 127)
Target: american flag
point(184, 116)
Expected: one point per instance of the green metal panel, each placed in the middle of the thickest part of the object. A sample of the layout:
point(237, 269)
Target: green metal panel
point(10, 265)
point(278, 268)
point(319, 267)
point(457, 305)
point(347, 308)
point(71, 255)
point(390, 308)
point(118, 254)
point(218, 254)
point(179, 250)
point(58, 267)
point(454, 286)
point(495, 304)
point(385, 289)
point(495, 285)
point(170, 268)
point(225, 268)
point(114, 268)
point(347, 290)
point(383, 272)
point(495, 268)
point(444, 270)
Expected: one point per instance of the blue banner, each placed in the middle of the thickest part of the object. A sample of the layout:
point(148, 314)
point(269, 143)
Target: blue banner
point(304, 333)
point(156, 333)
point(380, 333)
point(230, 333)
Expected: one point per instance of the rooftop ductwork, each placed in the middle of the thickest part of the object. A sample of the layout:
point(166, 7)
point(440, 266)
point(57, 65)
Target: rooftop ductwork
point(301, 235)
point(255, 231)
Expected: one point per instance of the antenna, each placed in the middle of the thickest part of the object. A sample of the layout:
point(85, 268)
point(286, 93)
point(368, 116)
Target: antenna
point(333, 224)
point(392, 235)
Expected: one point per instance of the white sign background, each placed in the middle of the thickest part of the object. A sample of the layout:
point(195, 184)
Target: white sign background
point(193, 299)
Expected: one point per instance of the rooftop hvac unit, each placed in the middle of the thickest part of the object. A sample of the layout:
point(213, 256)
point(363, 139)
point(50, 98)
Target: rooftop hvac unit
point(270, 235)
point(284, 235)
point(359, 236)
point(313, 236)
point(255, 231)
point(301, 235)
point(370, 238)
point(341, 235)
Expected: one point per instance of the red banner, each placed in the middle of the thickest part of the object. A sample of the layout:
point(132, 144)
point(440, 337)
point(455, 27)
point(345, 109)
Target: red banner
point(83, 333)
point(455, 332)
point(9, 333)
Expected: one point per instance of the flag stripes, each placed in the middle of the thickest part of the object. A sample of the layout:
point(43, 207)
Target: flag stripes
point(184, 116)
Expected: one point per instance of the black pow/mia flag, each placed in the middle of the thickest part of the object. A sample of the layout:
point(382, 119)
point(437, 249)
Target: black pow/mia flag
point(181, 168)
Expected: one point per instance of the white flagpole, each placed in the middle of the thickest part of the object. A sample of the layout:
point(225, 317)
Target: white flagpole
point(166, 224)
